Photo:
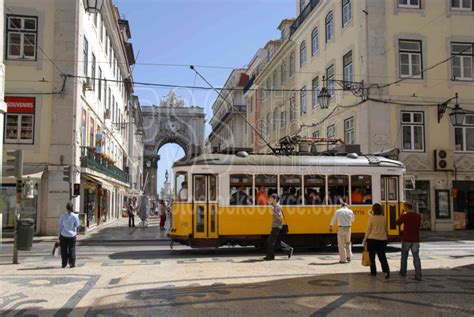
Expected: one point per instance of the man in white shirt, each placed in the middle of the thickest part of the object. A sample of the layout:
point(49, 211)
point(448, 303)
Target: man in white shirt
point(183, 192)
point(344, 217)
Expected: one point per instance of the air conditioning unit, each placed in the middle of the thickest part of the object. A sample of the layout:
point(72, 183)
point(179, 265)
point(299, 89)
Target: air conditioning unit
point(107, 114)
point(443, 160)
point(88, 84)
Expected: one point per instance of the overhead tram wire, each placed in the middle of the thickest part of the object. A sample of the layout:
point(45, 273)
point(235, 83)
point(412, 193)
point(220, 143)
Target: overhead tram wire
point(232, 107)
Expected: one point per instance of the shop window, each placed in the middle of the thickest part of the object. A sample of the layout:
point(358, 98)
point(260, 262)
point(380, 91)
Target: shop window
point(314, 190)
point(443, 204)
point(290, 190)
point(20, 120)
point(338, 188)
point(419, 197)
point(464, 135)
point(265, 185)
point(22, 32)
point(361, 186)
point(241, 189)
point(181, 186)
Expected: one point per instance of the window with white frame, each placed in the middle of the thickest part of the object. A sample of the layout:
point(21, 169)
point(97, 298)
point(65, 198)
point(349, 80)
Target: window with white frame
point(462, 67)
point(283, 73)
point(85, 56)
point(22, 32)
point(315, 90)
point(349, 131)
point(330, 77)
point(412, 124)
point(283, 119)
point(329, 26)
point(292, 109)
point(410, 58)
point(93, 74)
point(331, 131)
point(348, 69)
point(411, 4)
point(303, 101)
point(302, 53)
point(464, 5)
point(292, 64)
point(314, 41)
point(99, 88)
point(346, 12)
point(464, 135)
point(275, 120)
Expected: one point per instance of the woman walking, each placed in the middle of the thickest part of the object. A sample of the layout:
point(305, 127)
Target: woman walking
point(376, 239)
point(162, 211)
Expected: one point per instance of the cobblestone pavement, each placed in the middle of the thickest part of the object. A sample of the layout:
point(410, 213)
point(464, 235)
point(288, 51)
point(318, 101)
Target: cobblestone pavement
point(144, 278)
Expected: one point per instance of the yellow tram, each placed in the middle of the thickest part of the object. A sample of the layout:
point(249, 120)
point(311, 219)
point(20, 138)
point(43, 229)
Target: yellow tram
point(221, 198)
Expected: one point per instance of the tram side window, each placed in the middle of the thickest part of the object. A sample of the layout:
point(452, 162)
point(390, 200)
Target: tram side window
point(181, 185)
point(361, 186)
point(338, 189)
point(265, 185)
point(290, 190)
point(241, 190)
point(315, 189)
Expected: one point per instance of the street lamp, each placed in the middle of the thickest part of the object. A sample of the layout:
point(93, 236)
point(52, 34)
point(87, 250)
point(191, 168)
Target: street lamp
point(93, 6)
point(457, 115)
point(355, 87)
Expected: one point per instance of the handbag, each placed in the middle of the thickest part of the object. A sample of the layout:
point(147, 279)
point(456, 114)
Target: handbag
point(56, 249)
point(365, 257)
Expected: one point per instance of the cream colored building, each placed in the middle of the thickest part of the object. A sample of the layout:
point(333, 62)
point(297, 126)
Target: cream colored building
point(68, 87)
point(406, 53)
point(229, 129)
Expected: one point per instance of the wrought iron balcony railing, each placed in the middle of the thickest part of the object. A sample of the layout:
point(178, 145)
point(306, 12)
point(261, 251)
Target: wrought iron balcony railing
point(94, 161)
point(303, 15)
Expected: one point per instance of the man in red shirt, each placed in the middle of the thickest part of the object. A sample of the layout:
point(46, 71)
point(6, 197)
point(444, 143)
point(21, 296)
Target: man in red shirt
point(410, 240)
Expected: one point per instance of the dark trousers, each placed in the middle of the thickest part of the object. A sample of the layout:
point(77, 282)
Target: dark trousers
point(131, 220)
point(68, 250)
point(274, 240)
point(378, 247)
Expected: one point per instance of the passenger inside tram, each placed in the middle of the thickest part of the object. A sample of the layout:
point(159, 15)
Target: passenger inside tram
point(240, 197)
point(261, 196)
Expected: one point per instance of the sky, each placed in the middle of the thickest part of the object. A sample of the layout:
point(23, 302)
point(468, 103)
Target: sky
point(224, 33)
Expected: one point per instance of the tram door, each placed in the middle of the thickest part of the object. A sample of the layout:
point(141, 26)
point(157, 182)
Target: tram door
point(205, 206)
point(391, 202)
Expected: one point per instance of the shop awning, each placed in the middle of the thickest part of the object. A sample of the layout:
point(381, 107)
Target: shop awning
point(33, 173)
point(105, 184)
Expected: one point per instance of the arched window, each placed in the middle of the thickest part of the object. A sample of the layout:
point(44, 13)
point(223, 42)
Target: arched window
point(329, 26)
point(346, 12)
point(302, 53)
point(314, 41)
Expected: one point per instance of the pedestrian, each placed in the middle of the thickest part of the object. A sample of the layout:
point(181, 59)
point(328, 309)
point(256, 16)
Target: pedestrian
point(277, 225)
point(162, 211)
point(132, 209)
point(344, 217)
point(410, 240)
point(68, 225)
point(376, 239)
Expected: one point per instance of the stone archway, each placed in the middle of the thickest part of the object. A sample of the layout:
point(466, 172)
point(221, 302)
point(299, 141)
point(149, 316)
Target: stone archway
point(170, 122)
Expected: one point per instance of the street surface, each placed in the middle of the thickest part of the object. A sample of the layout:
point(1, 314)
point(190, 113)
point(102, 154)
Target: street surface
point(125, 271)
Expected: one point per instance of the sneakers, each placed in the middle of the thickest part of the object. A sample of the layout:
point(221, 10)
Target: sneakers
point(268, 259)
point(290, 253)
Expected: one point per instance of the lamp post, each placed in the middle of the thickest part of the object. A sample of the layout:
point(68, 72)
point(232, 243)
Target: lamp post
point(457, 114)
point(93, 6)
point(355, 87)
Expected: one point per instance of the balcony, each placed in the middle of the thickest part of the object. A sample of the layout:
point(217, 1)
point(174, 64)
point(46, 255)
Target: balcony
point(234, 109)
point(303, 15)
point(249, 84)
point(94, 161)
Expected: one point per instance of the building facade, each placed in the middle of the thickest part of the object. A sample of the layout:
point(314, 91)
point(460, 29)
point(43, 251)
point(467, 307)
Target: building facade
point(68, 87)
point(386, 65)
point(229, 129)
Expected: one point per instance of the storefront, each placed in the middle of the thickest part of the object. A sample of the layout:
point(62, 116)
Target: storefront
point(463, 204)
point(419, 196)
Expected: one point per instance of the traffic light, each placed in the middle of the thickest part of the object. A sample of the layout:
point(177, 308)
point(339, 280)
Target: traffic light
point(14, 164)
point(77, 190)
point(67, 174)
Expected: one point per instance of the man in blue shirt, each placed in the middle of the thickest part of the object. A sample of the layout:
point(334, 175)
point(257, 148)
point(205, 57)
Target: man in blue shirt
point(68, 224)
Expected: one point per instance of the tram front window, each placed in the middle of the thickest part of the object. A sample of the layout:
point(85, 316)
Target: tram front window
point(241, 190)
point(290, 190)
point(266, 185)
point(315, 190)
point(361, 186)
point(338, 189)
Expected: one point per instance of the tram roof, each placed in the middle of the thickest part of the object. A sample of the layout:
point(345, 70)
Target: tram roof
point(289, 160)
